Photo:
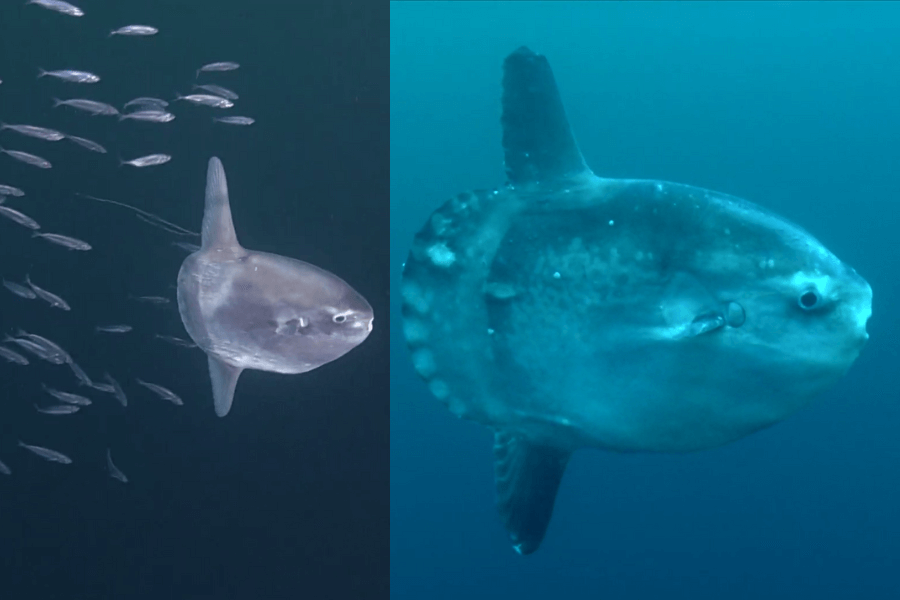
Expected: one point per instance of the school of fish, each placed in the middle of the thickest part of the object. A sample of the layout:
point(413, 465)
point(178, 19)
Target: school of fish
point(19, 348)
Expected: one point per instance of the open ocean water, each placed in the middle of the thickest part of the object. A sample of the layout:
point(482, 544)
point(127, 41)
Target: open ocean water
point(792, 106)
point(287, 496)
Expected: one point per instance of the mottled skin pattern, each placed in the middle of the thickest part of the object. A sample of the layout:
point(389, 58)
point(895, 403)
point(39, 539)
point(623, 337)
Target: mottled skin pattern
point(255, 310)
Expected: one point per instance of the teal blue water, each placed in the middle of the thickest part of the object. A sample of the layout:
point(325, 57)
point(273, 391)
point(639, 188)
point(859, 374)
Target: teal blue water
point(793, 106)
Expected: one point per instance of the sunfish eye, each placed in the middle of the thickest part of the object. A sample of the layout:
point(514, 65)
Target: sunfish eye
point(339, 318)
point(809, 300)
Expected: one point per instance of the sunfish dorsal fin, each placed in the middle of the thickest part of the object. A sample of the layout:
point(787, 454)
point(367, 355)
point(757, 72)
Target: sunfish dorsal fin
point(224, 379)
point(527, 477)
point(537, 141)
point(218, 230)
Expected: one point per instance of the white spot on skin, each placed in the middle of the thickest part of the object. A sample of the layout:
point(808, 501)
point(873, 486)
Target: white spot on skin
point(771, 263)
point(490, 331)
point(611, 222)
point(423, 360)
point(414, 331)
point(439, 388)
point(556, 275)
point(441, 255)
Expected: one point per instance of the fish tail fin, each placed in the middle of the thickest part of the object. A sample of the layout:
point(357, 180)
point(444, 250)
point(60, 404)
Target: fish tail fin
point(41, 72)
point(22, 444)
point(111, 33)
point(56, 102)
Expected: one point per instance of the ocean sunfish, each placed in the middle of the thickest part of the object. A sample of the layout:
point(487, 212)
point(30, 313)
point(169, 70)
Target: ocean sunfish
point(569, 311)
point(255, 310)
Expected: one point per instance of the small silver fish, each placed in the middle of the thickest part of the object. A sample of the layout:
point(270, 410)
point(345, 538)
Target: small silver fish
point(27, 158)
point(114, 471)
point(59, 6)
point(146, 101)
point(67, 397)
point(63, 240)
point(217, 90)
point(177, 341)
point(134, 30)
point(42, 133)
point(117, 389)
point(91, 106)
point(104, 387)
point(4, 469)
point(218, 66)
point(70, 75)
point(52, 349)
point(54, 300)
point(35, 348)
point(19, 290)
point(58, 409)
point(83, 378)
point(151, 299)
point(207, 100)
point(19, 217)
point(47, 453)
point(113, 328)
point(8, 190)
point(86, 143)
point(152, 116)
point(164, 393)
point(147, 161)
point(235, 120)
point(13, 356)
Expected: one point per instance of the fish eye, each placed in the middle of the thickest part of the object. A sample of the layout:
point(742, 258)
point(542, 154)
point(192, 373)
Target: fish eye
point(339, 318)
point(809, 300)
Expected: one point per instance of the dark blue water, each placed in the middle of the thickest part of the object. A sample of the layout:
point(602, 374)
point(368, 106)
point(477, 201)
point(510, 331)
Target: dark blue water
point(289, 493)
point(792, 106)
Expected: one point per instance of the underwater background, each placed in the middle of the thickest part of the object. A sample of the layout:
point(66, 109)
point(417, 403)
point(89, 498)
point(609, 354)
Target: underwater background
point(793, 106)
point(287, 496)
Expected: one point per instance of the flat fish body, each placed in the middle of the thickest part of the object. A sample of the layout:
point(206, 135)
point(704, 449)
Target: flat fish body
point(255, 310)
point(47, 453)
point(19, 290)
point(148, 161)
point(49, 297)
point(28, 158)
point(235, 120)
point(164, 393)
point(92, 106)
point(64, 240)
point(19, 217)
point(58, 409)
point(8, 190)
point(71, 75)
point(86, 143)
point(135, 30)
point(567, 311)
point(41, 133)
point(12, 356)
point(59, 6)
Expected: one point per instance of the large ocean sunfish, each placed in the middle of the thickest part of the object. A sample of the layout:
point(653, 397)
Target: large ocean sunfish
point(568, 311)
point(254, 310)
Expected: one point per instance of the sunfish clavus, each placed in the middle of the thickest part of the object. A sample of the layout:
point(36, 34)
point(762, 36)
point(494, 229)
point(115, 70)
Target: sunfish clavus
point(568, 311)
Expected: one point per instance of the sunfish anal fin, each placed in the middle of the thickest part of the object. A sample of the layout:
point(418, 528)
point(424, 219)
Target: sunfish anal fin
point(224, 379)
point(527, 478)
point(538, 143)
point(218, 229)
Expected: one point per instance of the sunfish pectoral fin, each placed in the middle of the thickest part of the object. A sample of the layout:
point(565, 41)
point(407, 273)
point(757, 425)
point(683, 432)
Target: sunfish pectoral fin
point(224, 379)
point(527, 478)
point(218, 229)
point(538, 144)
